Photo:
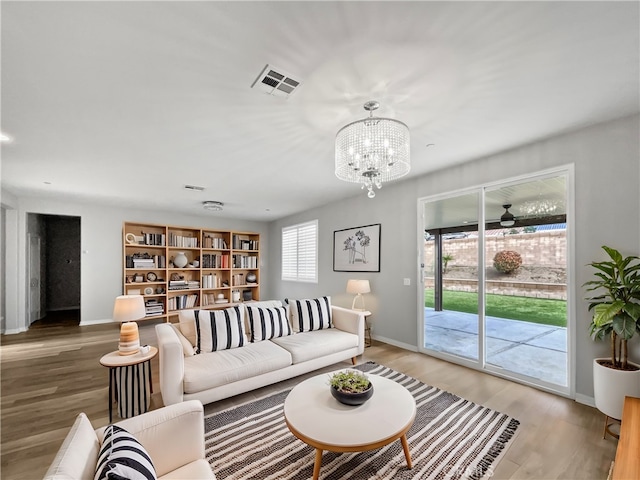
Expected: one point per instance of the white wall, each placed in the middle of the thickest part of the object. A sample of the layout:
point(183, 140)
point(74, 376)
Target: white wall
point(607, 169)
point(101, 246)
point(607, 200)
point(3, 268)
point(10, 265)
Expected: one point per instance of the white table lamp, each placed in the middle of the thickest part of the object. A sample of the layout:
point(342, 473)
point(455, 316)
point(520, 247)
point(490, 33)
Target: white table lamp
point(357, 288)
point(126, 309)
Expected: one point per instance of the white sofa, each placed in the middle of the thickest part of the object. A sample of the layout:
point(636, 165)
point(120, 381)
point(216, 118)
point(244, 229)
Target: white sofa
point(212, 376)
point(172, 436)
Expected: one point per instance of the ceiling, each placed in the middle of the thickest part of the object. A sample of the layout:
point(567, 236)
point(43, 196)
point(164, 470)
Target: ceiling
point(542, 199)
point(125, 103)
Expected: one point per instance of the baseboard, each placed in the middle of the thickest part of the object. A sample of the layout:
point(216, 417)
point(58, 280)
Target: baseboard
point(585, 400)
point(14, 331)
point(395, 343)
point(100, 321)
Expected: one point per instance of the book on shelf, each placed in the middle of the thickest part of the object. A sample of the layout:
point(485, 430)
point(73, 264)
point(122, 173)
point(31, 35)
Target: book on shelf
point(178, 284)
point(210, 281)
point(154, 239)
point(180, 302)
point(245, 261)
point(153, 307)
point(182, 241)
point(211, 241)
point(148, 262)
point(243, 242)
point(215, 260)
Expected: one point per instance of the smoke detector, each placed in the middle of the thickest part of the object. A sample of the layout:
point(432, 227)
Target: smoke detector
point(274, 81)
point(212, 205)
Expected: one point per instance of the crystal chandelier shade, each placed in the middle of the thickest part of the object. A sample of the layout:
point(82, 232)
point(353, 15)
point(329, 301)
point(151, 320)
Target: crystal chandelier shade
point(372, 151)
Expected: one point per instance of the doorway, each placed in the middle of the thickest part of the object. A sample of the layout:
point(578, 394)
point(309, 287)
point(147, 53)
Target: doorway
point(495, 291)
point(54, 270)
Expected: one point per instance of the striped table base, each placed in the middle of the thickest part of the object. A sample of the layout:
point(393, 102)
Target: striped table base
point(132, 388)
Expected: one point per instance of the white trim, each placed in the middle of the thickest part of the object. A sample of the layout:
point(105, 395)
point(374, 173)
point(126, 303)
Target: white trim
point(84, 323)
point(572, 324)
point(395, 343)
point(585, 400)
point(482, 350)
point(14, 331)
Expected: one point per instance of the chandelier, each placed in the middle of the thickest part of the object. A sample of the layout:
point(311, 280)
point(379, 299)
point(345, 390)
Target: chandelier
point(372, 150)
point(541, 207)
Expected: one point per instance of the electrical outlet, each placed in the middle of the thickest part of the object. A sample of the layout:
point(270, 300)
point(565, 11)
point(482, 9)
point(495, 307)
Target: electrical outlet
point(407, 282)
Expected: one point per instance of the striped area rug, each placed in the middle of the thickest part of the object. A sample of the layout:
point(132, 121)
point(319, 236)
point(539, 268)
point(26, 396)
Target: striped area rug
point(451, 438)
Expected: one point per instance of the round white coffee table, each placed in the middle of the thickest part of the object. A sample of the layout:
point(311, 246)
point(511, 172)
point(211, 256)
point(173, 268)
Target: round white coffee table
point(319, 420)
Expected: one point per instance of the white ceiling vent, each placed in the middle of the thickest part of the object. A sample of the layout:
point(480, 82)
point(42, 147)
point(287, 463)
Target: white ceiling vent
point(275, 81)
point(194, 187)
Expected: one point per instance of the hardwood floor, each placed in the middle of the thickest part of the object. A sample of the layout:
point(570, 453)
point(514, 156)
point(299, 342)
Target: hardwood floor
point(50, 374)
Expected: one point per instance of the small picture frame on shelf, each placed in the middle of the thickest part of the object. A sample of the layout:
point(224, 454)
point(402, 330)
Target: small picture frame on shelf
point(133, 291)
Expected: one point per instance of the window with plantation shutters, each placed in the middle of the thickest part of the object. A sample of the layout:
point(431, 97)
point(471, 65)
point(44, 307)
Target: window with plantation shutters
point(300, 252)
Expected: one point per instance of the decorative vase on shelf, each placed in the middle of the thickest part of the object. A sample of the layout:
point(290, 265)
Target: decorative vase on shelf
point(180, 260)
point(251, 277)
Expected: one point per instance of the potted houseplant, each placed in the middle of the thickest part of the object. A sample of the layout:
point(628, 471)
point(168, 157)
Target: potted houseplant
point(350, 387)
point(616, 317)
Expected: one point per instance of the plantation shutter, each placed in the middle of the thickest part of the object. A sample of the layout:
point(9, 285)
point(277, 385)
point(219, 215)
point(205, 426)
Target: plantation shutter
point(300, 252)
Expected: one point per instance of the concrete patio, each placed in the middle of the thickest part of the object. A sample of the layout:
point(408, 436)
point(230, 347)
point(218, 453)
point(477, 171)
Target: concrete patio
point(531, 349)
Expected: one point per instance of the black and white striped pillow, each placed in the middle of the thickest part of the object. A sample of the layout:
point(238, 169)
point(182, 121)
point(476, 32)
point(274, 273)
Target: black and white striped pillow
point(122, 456)
point(312, 314)
point(266, 323)
point(219, 329)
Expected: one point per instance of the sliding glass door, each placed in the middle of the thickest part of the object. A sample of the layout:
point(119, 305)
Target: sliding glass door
point(451, 275)
point(495, 266)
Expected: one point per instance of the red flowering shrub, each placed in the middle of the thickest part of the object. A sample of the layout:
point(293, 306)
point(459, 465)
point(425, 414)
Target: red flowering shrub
point(507, 261)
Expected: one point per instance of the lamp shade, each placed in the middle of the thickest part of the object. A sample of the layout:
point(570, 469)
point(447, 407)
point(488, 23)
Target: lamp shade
point(358, 286)
point(125, 309)
point(128, 307)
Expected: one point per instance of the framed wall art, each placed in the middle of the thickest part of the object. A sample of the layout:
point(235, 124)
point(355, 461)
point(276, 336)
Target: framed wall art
point(357, 249)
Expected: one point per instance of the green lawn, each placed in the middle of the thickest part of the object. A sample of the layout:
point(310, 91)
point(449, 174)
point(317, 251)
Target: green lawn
point(535, 310)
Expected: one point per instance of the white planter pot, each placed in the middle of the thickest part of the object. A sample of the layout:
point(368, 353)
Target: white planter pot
point(610, 386)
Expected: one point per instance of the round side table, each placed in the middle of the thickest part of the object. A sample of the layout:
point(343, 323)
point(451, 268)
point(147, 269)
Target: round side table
point(129, 381)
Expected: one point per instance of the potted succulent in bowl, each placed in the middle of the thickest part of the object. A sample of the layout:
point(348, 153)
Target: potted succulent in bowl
point(616, 317)
point(350, 387)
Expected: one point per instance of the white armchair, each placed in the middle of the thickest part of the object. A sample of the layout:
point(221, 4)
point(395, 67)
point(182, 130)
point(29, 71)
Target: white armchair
point(173, 437)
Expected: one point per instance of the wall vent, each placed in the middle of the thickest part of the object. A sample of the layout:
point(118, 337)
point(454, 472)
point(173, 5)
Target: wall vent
point(274, 81)
point(194, 187)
